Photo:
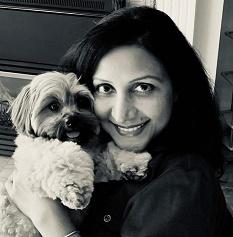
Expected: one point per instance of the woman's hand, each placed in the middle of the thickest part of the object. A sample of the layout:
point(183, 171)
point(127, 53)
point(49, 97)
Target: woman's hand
point(47, 215)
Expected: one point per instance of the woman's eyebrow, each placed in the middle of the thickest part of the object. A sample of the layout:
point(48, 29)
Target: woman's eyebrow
point(99, 79)
point(135, 79)
point(147, 77)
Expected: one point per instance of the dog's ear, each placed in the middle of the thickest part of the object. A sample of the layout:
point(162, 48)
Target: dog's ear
point(85, 98)
point(21, 112)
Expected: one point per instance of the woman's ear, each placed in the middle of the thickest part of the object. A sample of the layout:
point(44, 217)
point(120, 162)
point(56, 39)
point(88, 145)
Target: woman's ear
point(21, 111)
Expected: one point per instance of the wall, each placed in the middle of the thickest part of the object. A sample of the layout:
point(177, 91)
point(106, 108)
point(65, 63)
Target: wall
point(207, 32)
point(140, 2)
point(182, 13)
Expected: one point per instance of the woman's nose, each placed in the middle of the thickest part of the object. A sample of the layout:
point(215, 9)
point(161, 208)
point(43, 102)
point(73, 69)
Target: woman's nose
point(123, 110)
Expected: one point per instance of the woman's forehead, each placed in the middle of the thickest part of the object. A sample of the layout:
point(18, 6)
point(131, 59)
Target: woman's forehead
point(132, 62)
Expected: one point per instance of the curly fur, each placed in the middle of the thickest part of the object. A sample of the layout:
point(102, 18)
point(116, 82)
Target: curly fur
point(56, 169)
point(115, 164)
point(53, 169)
point(65, 171)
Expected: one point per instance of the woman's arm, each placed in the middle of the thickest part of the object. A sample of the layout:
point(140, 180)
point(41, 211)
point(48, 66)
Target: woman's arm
point(47, 215)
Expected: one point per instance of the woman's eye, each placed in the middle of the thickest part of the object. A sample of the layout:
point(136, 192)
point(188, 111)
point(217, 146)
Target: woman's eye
point(104, 89)
point(143, 88)
point(54, 107)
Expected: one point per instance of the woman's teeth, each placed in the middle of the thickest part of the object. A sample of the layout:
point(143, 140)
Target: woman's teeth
point(132, 131)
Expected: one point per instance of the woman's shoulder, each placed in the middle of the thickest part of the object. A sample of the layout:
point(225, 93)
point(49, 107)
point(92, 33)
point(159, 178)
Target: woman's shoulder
point(168, 163)
point(187, 174)
point(183, 193)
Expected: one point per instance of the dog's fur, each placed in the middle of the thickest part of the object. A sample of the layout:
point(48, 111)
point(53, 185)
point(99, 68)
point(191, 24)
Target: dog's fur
point(57, 148)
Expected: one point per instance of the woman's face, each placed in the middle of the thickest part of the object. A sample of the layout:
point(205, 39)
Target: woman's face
point(133, 96)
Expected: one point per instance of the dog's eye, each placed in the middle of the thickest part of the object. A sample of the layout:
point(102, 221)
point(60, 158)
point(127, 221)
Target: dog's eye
point(55, 106)
point(84, 103)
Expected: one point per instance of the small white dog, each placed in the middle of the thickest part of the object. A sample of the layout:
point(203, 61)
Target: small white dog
point(57, 148)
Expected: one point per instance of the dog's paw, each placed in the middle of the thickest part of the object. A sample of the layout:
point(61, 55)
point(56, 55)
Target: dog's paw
point(133, 166)
point(77, 196)
point(132, 174)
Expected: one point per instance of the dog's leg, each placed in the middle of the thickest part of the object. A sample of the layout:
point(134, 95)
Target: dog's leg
point(63, 171)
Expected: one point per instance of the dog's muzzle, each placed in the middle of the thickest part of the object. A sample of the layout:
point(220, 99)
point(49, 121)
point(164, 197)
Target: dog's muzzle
point(72, 131)
point(78, 128)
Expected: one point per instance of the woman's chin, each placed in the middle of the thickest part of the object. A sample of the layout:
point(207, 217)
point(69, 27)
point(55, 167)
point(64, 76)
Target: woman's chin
point(130, 146)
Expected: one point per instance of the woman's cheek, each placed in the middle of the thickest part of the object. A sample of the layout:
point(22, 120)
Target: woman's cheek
point(101, 108)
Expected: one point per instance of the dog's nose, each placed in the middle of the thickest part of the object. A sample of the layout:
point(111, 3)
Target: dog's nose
point(70, 122)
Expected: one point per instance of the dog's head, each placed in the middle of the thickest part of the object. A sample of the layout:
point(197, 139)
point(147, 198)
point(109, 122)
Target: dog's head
point(55, 105)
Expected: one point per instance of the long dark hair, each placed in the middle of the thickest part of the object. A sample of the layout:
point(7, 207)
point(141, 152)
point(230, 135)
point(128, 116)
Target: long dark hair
point(194, 125)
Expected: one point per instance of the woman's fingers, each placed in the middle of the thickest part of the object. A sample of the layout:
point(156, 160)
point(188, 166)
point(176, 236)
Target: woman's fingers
point(12, 184)
point(47, 215)
point(9, 185)
point(20, 193)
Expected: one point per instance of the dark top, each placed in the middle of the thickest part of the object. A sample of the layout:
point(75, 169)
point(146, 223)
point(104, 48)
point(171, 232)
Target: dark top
point(180, 197)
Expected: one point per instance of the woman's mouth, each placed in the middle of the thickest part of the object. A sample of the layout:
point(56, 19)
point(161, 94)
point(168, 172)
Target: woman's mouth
point(132, 130)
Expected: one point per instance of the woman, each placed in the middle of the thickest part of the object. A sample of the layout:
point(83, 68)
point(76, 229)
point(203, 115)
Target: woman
point(151, 93)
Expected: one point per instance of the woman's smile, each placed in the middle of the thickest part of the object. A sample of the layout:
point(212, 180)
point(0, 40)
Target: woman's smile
point(130, 131)
point(133, 97)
